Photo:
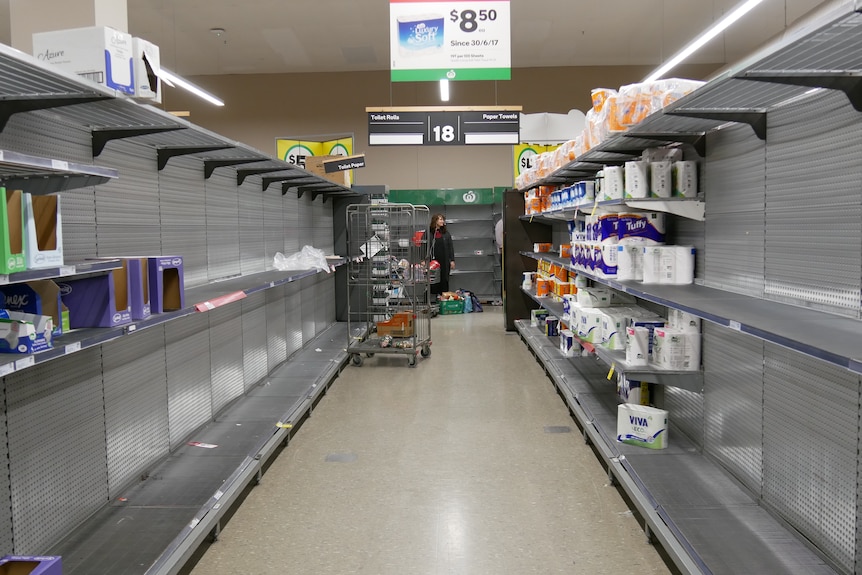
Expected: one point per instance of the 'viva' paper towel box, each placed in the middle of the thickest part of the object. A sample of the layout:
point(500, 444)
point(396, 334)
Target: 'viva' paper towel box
point(642, 426)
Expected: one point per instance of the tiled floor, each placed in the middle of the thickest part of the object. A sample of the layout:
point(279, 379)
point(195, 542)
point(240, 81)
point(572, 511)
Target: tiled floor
point(462, 465)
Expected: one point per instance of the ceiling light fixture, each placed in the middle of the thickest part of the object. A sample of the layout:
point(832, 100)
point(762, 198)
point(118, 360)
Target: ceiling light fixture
point(170, 78)
point(716, 29)
point(444, 90)
point(217, 31)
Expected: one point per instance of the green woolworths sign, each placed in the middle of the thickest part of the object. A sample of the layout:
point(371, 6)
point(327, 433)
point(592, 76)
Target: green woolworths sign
point(448, 196)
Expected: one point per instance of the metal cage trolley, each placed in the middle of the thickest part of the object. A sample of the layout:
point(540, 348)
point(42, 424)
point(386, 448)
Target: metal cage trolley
point(388, 309)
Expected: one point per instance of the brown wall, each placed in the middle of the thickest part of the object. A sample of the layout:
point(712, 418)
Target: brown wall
point(260, 108)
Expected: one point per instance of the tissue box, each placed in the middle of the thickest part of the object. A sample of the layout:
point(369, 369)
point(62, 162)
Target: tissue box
point(40, 297)
point(167, 284)
point(12, 232)
point(43, 236)
point(148, 85)
point(98, 53)
point(25, 333)
point(31, 565)
point(97, 301)
point(642, 426)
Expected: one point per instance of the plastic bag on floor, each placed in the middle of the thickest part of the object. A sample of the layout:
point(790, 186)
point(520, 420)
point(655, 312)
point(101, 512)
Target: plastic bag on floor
point(308, 258)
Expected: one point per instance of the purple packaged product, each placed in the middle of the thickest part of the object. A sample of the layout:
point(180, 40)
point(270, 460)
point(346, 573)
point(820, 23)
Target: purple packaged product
point(651, 325)
point(606, 260)
point(139, 287)
point(647, 226)
point(607, 228)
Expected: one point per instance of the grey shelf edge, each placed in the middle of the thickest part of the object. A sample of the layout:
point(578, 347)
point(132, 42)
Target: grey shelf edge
point(208, 517)
point(677, 548)
point(685, 207)
point(689, 380)
point(793, 327)
point(85, 338)
point(46, 176)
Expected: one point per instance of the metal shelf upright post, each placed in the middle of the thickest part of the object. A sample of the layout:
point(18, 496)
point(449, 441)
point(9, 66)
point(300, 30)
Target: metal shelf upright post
point(389, 308)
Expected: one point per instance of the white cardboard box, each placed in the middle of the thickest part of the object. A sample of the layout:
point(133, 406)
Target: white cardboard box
point(98, 53)
point(148, 84)
point(642, 426)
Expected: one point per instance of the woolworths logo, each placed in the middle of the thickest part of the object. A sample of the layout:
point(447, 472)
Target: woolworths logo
point(470, 197)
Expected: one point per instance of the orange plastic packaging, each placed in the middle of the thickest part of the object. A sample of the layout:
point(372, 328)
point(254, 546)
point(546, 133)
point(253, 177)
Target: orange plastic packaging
point(543, 287)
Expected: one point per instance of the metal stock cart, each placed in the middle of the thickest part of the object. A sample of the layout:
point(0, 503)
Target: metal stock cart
point(388, 308)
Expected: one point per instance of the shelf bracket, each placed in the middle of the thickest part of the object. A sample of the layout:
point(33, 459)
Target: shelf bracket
point(164, 154)
point(13, 106)
point(849, 82)
point(101, 136)
point(211, 165)
point(243, 173)
point(275, 179)
point(754, 118)
point(696, 139)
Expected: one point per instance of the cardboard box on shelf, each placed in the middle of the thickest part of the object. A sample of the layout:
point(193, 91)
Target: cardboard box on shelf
point(167, 283)
point(40, 297)
point(97, 53)
point(148, 85)
point(138, 274)
point(97, 301)
point(314, 164)
point(12, 232)
point(43, 235)
point(31, 565)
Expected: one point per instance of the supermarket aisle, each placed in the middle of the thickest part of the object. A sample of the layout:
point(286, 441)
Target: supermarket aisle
point(456, 466)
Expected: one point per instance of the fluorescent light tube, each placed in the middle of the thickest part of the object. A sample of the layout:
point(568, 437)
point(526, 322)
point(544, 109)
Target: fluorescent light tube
point(173, 79)
point(716, 29)
point(444, 90)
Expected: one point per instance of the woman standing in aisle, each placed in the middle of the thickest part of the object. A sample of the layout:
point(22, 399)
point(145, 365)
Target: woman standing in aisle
point(443, 251)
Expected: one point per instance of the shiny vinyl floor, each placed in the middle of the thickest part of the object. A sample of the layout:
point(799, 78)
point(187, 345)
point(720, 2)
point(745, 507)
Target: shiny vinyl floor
point(462, 465)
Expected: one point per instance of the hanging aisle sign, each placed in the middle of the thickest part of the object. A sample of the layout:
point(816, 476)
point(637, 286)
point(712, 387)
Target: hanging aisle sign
point(455, 40)
point(443, 126)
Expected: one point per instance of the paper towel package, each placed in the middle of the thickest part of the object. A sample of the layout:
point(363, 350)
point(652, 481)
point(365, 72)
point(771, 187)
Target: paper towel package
point(676, 350)
point(567, 343)
point(642, 426)
point(661, 185)
point(637, 346)
point(685, 179)
point(613, 186)
point(637, 180)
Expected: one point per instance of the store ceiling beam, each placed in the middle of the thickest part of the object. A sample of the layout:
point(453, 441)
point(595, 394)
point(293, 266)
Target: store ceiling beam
point(165, 153)
point(101, 136)
point(756, 118)
point(210, 166)
point(847, 81)
point(15, 105)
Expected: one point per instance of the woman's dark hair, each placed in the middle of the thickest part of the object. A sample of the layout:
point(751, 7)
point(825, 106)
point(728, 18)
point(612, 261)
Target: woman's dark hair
point(431, 225)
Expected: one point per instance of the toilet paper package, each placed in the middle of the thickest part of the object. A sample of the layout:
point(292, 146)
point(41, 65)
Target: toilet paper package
point(590, 325)
point(594, 297)
point(661, 184)
point(614, 328)
point(642, 426)
point(630, 262)
point(569, 302)
point(652, 264)
point(632, 391)
point(683, 321)
point(637, 180)
point(605, 257)
point(637, 346)
point(676, 265)
point(606, 229)
point(685, 179)
point(676, 350)
point(567, 343)
point(644, 227)
point(552, 326)
point(613, 186)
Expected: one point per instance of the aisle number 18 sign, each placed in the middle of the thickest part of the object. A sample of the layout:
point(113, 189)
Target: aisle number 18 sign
point(455, 40)
point(437, 126)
